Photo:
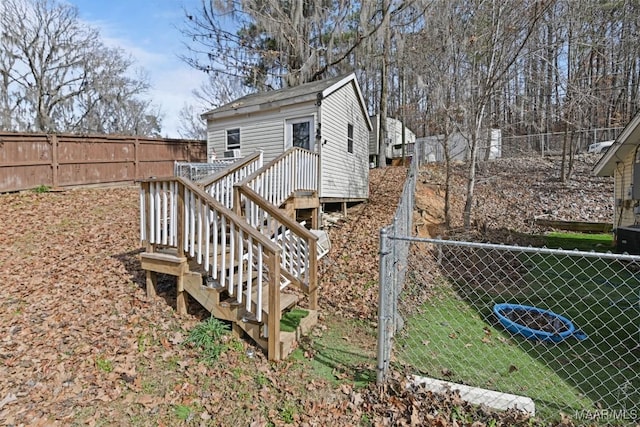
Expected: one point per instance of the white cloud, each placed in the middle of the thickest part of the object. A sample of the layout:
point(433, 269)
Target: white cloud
point(172, 81)
point(171, 90)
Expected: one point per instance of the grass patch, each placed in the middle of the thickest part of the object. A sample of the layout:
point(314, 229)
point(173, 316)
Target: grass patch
point(42, 189)
point(288, 413)
point(342, 353)
point(461, 347)
point(209, 337)
point(602, 242)
point(182, 412)
point(454, 336)
point(105, 365)
point(291, 319)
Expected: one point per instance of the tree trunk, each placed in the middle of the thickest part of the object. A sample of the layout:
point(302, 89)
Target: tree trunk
point(384, 87)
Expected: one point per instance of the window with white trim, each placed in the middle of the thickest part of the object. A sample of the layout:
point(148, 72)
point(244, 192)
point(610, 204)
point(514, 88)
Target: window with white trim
point(233, 139)
point(350, 138)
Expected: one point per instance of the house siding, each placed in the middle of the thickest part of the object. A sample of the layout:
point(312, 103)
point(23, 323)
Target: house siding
point(343, 174)
point(373, 135)
point(394, 137)
point(258, 131)
point(623, 178)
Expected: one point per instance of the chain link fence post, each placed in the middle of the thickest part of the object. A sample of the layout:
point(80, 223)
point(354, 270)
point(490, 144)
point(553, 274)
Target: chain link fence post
point(384, 340)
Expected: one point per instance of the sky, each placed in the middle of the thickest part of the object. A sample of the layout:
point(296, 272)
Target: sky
point(148, 31)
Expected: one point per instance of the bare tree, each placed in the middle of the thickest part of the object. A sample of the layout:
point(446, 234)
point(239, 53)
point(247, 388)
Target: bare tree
point(492, 35)
point(384, 83)
point(57, 75)
point(274, 43)
point(436, 60)
point(191, 124)
point(214, 92)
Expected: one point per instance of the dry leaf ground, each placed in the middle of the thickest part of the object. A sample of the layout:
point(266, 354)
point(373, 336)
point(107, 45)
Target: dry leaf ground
point(80, 344)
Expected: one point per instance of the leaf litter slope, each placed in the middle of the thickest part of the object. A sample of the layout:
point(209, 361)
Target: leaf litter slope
point(349, 275)
point(81, 344)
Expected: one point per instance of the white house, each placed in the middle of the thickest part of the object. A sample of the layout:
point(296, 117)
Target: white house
point(328, 117)
point(458, 146)
point(394, 139)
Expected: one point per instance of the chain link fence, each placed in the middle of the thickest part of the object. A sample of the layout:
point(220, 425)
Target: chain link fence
point(198, 171)
point(552, 143)
point(559, 328)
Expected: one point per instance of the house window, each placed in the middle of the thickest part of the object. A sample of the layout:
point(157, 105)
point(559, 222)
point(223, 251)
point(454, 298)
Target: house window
point(233, 139)
point(350, 138)
point(299, 133)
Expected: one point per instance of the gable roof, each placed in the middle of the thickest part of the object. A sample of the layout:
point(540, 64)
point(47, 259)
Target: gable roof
point(624, 144)
point(313, 91)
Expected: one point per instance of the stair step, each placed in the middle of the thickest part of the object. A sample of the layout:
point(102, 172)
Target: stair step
point(286, 300)
point(207, 297)
point(166, 263)
point(211, 283)
point(248, 317)
point(289, 340)
point(230, 302)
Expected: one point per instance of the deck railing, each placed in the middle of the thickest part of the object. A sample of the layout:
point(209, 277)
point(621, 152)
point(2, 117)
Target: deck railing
point(299, 256)
point(177, 213)
point(220, 185)
point(294, 170)
point(258, 198)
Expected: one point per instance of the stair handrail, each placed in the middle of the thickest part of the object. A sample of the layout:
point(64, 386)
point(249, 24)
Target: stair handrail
point(220, 184)
point(285, 175)
point(174, 211)
point(299, 256)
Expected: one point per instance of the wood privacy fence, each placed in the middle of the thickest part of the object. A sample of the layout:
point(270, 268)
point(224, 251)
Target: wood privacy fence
point(62, 160)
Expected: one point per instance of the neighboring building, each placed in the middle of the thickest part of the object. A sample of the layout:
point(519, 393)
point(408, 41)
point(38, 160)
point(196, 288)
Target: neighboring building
point(432, 147)
point(328, 117)
point(394, 139)
point(622, 161)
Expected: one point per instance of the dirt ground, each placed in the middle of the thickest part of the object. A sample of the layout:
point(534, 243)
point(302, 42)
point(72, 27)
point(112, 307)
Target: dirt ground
point(510, 194)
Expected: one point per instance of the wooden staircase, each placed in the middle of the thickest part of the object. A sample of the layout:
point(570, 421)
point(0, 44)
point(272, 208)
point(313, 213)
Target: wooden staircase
point(243, 257)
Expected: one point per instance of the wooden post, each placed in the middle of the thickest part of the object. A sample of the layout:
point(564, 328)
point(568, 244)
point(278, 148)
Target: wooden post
point(180, 219)
point(146, 187)
point(152, 277)
point(152, 281)
point(136, 156)
point(236, 330)
point(237, 209)
point(315, 213)
point(54, 161)
point(182, 299)
point(313, 275)
point(273, 352)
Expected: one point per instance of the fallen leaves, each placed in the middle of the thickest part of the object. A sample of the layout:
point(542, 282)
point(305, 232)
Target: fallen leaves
point(73, 292)
point(349, 275)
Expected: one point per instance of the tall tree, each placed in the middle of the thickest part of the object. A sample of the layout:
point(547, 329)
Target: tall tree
point(57, 75)
point(436, 60)
point(272, 43)
point(495, 34)
point(384, 82)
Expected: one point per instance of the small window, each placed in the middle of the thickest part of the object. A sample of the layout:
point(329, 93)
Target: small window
point(350, 138)
point(233, 139)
